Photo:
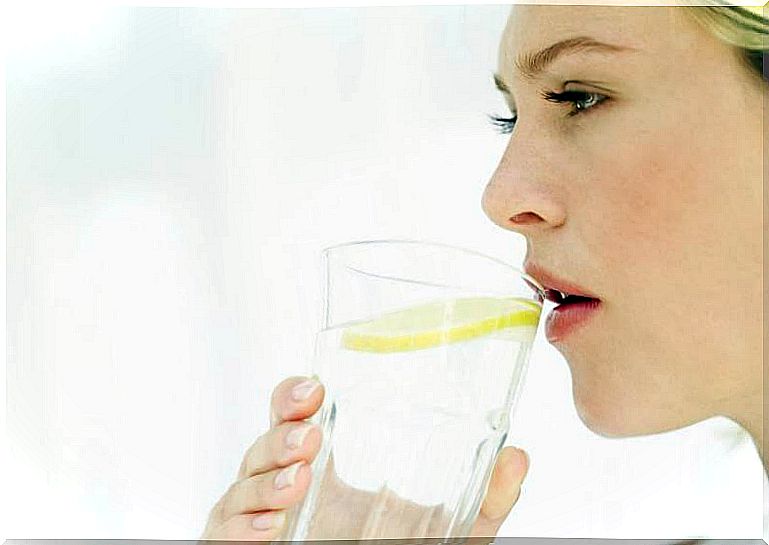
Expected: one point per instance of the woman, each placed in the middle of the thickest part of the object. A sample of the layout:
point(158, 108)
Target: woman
point(634, 170)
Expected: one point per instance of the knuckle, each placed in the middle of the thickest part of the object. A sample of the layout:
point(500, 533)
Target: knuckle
point(213, 514)
point(242, 496)
point(217, 513)
point(260, 456)
point(244, 464)
point(225, 504)
point(265, 451)
point(252, 459)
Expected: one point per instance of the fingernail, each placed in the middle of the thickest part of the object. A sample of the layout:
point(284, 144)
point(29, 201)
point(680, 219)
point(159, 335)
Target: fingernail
point(525, 463)
point(286, 477)
point(525, 455)
point(267, 521)
point(304, 390)
point(296, 437)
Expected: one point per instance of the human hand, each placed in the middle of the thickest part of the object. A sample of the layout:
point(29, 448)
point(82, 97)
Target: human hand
point(275, 475)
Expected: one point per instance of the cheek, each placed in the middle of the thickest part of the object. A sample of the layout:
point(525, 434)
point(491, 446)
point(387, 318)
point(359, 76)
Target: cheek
point(642, 232)
point(645, 198)
point(650, 213)
point(678, 194)
point(674, 216)
point(669, 218)
point(665, 225)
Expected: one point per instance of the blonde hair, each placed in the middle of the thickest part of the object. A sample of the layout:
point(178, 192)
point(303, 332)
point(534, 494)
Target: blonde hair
point(744, 27)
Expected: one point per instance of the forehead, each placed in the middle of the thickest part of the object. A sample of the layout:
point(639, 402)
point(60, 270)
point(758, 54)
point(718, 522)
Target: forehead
point(654, 32)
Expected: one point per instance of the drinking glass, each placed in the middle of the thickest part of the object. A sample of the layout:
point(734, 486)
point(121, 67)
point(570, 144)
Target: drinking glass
point(422, 352)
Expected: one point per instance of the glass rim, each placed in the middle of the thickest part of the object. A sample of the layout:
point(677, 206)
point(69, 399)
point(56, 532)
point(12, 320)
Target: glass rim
point(533, 283)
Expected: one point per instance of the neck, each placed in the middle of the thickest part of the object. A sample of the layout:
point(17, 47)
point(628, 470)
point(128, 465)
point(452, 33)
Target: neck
point(760, 440)
point(751, 418)
point(745, 405)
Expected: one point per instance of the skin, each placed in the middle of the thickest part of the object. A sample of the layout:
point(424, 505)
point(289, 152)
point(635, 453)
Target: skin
point(252, 493)
point(651, 200)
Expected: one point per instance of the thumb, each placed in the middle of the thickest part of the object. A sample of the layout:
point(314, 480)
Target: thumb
point(503, 491)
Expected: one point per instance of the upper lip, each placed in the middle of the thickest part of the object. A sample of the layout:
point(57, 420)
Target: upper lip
point(552, 284)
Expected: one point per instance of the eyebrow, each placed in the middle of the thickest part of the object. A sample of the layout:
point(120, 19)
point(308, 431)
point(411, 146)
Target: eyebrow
point(531, 65)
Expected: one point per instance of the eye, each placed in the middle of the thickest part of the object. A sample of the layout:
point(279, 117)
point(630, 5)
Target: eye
point(504, 125)
point(581, 100)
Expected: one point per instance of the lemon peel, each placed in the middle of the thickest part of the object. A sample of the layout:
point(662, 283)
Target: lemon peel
point(441, 322)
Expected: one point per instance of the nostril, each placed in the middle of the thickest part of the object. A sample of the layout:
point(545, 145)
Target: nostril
point(525, 218)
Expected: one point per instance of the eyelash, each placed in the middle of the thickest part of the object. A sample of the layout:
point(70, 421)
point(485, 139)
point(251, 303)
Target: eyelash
point(505, 125)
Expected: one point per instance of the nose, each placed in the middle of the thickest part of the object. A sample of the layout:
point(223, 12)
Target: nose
point(523, 195)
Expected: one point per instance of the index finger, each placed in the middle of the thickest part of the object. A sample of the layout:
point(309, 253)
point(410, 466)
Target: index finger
point(295, 398)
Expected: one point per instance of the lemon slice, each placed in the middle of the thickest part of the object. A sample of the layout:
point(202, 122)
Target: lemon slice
point(442, 322)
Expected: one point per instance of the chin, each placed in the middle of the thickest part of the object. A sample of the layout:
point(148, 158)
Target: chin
point(612, 419)
point(616, 403)
point(605, 427)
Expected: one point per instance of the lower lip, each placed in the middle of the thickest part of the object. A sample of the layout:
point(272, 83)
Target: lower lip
point(565, 319)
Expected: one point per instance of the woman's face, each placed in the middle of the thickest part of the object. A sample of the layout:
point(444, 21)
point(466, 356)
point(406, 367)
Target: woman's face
point(649, 198)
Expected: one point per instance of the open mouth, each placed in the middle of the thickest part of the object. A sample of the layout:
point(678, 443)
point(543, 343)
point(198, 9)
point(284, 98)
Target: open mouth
point(574, 305)
point(560, 291)
point(563, 298)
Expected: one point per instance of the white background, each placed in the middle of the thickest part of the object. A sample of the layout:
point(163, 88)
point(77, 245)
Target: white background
point(172, 176)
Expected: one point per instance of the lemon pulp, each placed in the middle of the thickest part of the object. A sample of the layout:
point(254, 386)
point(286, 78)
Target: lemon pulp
point(441, 322)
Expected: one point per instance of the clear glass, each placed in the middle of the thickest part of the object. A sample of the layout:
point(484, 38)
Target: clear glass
point(410, 437)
